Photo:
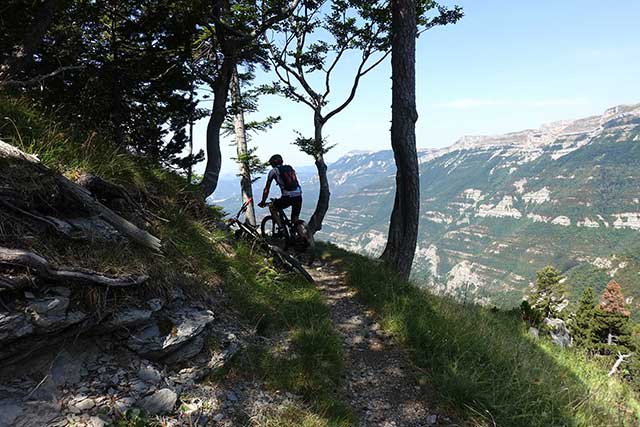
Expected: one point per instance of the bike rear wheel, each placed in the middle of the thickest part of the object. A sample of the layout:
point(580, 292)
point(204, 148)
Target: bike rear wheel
point(270, 230)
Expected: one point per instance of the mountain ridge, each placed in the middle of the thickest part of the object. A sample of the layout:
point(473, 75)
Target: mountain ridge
point(562, 194)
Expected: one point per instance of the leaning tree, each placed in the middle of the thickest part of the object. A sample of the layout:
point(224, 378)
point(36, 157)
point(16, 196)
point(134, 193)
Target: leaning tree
point(232, 37)
point(307, 49)
point(245, 100)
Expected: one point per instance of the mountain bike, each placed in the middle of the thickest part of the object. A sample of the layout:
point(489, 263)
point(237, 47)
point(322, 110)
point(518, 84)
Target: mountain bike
point(280, 257)
point(288, 235)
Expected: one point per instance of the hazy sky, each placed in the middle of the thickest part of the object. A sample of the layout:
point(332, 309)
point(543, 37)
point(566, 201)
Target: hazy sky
point(507, 66)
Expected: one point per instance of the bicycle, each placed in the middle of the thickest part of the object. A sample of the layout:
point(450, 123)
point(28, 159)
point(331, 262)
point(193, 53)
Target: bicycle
point(296, 236)
point(281, 257)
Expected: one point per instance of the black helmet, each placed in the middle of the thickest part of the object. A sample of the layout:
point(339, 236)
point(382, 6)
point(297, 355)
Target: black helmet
point(275, 160)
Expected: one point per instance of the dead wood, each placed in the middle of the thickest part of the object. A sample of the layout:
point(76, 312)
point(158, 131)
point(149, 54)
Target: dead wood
point(42, 269)
point(84, 198)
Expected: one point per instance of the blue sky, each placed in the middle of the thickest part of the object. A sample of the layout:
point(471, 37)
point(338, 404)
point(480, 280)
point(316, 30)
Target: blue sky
point(507, 65)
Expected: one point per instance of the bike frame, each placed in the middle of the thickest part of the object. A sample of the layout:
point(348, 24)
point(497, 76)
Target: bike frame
point(284, 218)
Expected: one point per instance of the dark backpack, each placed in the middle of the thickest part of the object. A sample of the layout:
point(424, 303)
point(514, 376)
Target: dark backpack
point(288, 178)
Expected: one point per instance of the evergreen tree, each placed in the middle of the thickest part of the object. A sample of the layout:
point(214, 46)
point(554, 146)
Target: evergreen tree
point(612, 326)
point(583, 323)
point(548, 295)
point(121, 68)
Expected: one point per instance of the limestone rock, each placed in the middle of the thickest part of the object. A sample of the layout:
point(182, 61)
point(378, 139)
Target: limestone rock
point(160, 402)
point(180, 327)
point(14, 326)
point(186, 352)
point(149, 374)
point(558, 332)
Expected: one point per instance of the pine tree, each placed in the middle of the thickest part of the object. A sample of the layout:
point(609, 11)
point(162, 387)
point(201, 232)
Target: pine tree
point(583, 324)
point(612, 325)
point(548, 295)
point(612, 300)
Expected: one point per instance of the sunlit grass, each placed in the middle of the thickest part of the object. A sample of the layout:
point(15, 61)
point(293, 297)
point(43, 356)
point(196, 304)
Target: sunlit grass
point(483, 364)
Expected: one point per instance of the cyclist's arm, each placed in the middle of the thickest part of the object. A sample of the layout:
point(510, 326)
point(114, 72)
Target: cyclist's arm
point(267, 187)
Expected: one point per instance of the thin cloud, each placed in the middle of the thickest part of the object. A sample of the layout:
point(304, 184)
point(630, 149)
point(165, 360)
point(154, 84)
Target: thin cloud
point(467, 103)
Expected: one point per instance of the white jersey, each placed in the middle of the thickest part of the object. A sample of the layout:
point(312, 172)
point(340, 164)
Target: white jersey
point(274, 175)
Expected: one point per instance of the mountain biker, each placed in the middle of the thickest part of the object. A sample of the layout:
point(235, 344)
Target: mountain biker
point(285, 177)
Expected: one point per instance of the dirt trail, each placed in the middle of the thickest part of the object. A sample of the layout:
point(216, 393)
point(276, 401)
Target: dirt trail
point(381, 383)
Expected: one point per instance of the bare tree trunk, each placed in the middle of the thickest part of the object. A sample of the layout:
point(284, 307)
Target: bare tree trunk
point(621, 358)
point(218, 113)
point(241, 147)
point(322, 205)
point(403, 227)
point(190, 169)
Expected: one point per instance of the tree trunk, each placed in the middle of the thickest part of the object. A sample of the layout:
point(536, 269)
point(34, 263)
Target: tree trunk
point(218, 113)
point(403, 227)
point(116, 82)
point(322, 205)
point(241, 148)
point(190, 169)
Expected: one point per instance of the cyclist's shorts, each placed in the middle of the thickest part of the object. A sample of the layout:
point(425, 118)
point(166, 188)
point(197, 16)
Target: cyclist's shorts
point(294, 202)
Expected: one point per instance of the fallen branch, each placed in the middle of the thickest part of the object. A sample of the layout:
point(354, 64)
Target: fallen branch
point(41, 267)
point(84, 198)
point(621, 358)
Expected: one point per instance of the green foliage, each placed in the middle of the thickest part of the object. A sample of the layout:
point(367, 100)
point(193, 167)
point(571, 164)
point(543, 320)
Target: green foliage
point(311, 146)
point(127, 73)
point(548, 295)
point(613, 332)
point(530, 315)
point(198, 258)
point(583, 324)
point(483, 362)
point(132, 418)
point(309, 46)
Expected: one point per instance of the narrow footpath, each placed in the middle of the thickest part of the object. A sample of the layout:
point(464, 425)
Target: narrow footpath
point(381, 382)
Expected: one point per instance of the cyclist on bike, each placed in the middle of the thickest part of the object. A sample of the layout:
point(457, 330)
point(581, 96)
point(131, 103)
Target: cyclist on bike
point(285, 177)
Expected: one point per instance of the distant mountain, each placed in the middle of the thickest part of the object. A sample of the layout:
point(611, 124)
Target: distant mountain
point(495, 209)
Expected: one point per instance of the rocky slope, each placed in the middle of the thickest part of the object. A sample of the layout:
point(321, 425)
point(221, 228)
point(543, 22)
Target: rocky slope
point(497, 208)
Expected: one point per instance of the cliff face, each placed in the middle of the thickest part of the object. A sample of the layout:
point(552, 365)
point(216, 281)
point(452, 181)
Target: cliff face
point(497, 208)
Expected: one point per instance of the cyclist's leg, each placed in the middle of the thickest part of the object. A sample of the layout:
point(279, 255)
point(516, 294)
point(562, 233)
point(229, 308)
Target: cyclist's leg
point(296, 207)
point(277, 205)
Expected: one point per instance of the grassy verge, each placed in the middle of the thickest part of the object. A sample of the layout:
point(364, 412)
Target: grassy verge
point(482, 362)
point(303, 354)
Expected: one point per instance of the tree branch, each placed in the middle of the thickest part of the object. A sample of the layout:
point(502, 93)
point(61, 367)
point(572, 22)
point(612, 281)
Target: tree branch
point(35, 81)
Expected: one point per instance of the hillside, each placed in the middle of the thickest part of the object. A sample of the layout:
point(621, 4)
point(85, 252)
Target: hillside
point(497, 209)
point(98, 328)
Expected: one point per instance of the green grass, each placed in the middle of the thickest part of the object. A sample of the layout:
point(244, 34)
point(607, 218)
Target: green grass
point(304, 354)
point(197, 257)
point(482, 363)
